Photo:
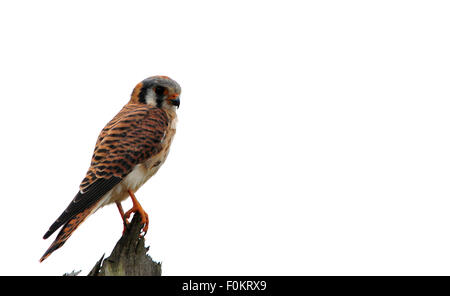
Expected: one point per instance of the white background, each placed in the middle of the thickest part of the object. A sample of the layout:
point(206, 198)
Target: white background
point(313, 136)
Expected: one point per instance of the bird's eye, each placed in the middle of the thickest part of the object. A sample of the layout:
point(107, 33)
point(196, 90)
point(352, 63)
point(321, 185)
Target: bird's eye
point(159, 90)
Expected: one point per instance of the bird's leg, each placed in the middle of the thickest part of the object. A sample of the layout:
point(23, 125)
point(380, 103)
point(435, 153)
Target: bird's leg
point(137, 208)
point(122, 214)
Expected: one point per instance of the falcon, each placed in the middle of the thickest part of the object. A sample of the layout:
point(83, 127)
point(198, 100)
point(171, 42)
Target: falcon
point(129, 150)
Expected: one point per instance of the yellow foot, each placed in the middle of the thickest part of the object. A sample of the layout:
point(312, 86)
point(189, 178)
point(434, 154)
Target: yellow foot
point(137, 208)
point(122, 214)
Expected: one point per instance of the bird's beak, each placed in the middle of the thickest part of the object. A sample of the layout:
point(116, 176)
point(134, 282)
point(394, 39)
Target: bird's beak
point(174, 100)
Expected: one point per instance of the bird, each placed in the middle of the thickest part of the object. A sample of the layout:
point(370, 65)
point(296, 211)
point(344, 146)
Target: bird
point(129, 151)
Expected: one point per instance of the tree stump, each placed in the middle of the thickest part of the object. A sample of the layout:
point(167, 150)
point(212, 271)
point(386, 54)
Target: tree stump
point(129, 256)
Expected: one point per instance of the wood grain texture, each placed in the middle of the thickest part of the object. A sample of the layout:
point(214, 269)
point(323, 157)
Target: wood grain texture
point(129, 256)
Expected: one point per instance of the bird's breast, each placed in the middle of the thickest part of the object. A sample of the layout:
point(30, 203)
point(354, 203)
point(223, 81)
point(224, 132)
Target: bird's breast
point(143, 171)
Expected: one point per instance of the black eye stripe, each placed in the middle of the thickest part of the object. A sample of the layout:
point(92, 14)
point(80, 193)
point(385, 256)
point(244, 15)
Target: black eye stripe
point(141, 95)
point(159, 90)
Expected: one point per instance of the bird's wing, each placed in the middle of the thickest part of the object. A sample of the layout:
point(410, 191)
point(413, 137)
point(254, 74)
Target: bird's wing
point(133, 136)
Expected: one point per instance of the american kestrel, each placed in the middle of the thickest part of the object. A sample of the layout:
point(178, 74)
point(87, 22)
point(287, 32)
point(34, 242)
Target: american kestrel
point(129, 150)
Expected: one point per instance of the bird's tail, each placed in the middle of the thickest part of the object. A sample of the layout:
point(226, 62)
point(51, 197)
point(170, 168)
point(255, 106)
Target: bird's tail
point(67, 230)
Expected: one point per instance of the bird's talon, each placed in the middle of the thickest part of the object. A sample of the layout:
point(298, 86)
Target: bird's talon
point(144, 229)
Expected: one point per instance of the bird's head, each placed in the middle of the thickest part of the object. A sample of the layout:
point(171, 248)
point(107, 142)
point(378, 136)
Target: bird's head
point(158, 91)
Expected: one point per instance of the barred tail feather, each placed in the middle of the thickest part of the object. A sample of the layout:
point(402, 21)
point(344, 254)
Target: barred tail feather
point(67, 231)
